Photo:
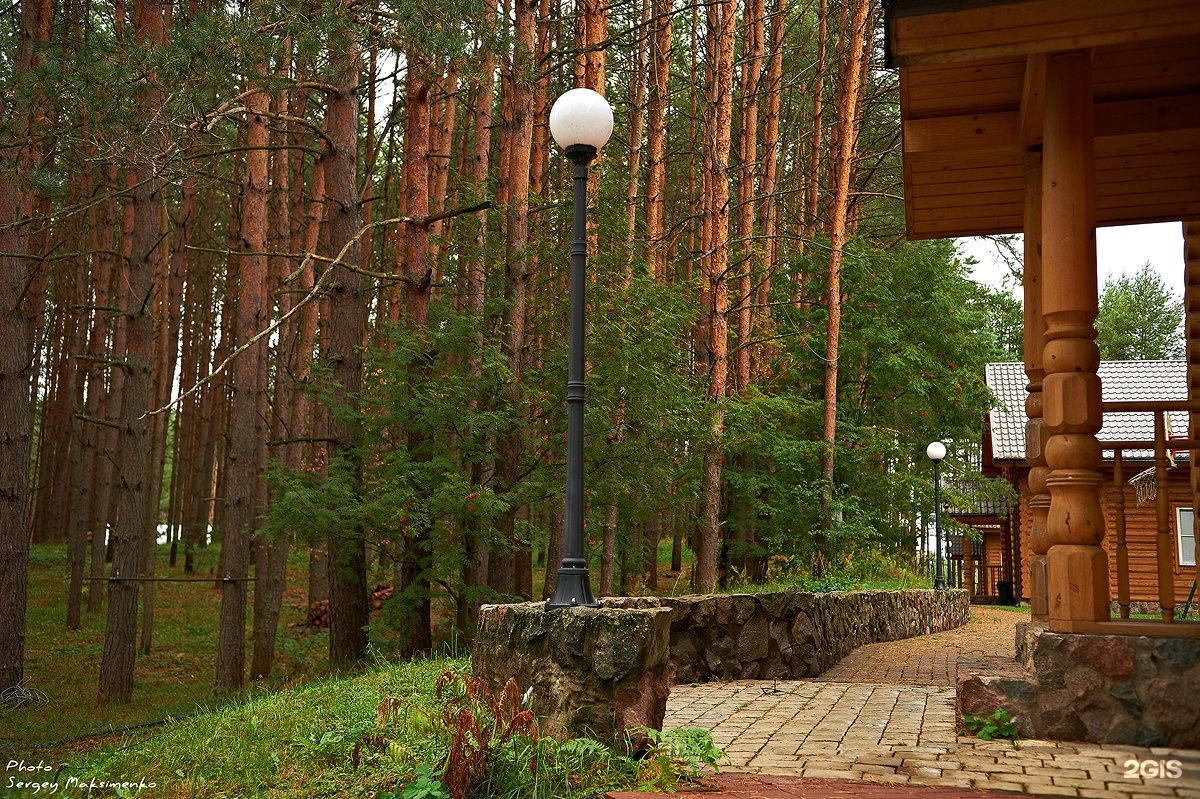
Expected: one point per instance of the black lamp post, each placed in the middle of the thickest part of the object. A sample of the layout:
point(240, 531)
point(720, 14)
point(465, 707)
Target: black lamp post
point(936, 452)
point(581, 122)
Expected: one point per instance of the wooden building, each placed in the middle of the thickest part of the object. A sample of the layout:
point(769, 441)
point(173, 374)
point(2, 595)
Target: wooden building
point(1050, 117)
point(1123, 502)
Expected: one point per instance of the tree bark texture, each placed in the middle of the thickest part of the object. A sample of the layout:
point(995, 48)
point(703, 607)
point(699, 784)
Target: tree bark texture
point(718, 123)
point(348, 606)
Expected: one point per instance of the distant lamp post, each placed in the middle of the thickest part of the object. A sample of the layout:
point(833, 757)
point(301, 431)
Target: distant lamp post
point(937, 452)
point(580, 122)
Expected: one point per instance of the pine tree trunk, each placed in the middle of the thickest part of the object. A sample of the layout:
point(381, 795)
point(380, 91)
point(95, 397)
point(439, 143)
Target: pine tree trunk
point(753, 48)
point(719, 122)
point(101, 385)
point(242, 475)
point(417, 267)
point(77, 495)
point(770, 204)
point(812, 176)
point(608, 552)
point(657, 100)
point(519, 135)
point(268, 591)
point(129, 534)
point(637, 115)
point(848, 123)
point(16, 422)
point(475, 554)
point(348, 605)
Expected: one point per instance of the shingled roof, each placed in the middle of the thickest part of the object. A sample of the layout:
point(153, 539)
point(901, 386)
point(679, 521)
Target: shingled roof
point(1121, 381)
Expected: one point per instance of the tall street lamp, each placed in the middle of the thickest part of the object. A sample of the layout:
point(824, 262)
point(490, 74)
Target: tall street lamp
point(936, 452)
point(580, 122)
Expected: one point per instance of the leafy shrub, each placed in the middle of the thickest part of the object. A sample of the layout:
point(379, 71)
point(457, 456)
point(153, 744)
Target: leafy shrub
point(997, 725)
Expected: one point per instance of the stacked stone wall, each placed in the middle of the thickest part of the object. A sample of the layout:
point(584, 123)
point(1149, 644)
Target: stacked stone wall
point(790, 635)
point(1110, 689)
point(606, 671)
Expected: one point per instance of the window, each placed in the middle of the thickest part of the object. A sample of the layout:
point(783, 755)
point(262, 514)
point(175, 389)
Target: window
point(1186, 532)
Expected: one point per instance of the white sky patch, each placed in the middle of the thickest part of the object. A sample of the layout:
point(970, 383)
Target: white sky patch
point(1119, 251)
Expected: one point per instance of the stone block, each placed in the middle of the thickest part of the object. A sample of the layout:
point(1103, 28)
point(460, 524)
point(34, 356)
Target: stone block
point(596, 672)
point(1110, 689)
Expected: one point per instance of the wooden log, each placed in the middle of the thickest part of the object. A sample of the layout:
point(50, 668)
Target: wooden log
point(1076, 564)
point(1122, 547)
point(1035, 329)
point(1162, 511)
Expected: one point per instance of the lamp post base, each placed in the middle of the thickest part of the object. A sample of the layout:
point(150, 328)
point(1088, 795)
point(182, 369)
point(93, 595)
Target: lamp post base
point(573, 589)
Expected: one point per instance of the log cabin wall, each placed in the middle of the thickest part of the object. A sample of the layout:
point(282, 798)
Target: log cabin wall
point(1140, 530)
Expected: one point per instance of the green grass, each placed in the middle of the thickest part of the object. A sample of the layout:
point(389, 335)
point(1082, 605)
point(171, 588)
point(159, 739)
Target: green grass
point(868, 570)
point(294, 743)
point(175, 679)
point(329, 738)
point(1022, 609)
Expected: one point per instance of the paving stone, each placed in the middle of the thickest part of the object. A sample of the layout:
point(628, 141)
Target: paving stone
point(996, 785)
point(886, 779)
point(900, 736)
point(1054, 790)
point(1057, 772)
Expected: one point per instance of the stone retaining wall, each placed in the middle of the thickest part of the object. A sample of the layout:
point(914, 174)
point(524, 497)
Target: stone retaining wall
point(1110, 689)
point(596, 672)
point(602, 672)
point(790, 635)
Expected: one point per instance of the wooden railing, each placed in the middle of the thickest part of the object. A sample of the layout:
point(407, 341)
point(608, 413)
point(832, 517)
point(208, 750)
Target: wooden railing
point(1164, 550)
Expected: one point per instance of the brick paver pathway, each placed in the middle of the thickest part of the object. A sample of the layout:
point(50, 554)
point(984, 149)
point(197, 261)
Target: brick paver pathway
point(885, 716)
point(930, 659)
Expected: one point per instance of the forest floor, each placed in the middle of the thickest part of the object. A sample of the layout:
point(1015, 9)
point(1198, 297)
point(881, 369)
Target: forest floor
point(174, 680)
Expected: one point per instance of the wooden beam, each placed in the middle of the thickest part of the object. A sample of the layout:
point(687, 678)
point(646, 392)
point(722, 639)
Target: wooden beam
point(1035, 372)
point(1036, 26)
point(973, 132)
point(1151, 122)
point(1033, 100)
point(1148, 115)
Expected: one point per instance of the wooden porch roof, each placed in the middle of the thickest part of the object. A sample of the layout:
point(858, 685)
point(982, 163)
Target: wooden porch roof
point(971, 85)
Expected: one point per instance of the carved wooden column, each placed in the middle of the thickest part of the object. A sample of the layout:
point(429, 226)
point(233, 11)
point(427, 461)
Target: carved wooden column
point(1076, 565)
point(1035, 328)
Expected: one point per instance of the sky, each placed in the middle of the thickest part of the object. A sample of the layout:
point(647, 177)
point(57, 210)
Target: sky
point(1119, 250)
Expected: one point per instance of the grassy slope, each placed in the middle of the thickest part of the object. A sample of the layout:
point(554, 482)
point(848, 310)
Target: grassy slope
point(294, 743)
point(176, 678)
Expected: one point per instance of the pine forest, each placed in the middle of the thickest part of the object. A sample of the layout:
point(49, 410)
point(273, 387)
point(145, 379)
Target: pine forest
point(288, 279)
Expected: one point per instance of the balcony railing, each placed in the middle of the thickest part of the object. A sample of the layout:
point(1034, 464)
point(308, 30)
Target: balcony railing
point(1164, 550)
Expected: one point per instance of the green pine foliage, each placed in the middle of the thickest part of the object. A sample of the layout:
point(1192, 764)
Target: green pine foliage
point(1139, 318)
point(911, 371)
point(916, 333)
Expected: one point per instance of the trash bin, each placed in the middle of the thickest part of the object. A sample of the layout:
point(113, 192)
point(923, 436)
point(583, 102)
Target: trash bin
point(1004, 590)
